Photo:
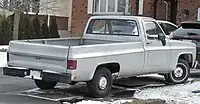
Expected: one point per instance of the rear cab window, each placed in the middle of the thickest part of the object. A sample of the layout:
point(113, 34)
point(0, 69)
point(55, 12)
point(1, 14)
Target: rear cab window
point(113, 27)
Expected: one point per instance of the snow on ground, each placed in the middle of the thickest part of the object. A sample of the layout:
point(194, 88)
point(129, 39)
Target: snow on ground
point(177, 94)
point(3, 57)
point(99, 102)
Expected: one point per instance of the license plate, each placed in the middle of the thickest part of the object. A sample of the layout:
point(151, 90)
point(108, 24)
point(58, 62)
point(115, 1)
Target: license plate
point(35, 74)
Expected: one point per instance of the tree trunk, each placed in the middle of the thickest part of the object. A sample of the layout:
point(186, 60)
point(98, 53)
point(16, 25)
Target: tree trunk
point(16, 24)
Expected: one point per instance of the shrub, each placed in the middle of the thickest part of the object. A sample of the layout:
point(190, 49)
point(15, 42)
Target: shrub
point(45, 28)
point(6, 26)
point(54, 28)
point(36, 28)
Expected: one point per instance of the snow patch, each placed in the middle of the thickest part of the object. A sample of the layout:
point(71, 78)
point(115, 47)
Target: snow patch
point(90, 102)
point(3, 56)
point(178, 94)
point(100, 102)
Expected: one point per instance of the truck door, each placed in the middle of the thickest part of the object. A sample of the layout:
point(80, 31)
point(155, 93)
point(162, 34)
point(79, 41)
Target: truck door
point(158, 55)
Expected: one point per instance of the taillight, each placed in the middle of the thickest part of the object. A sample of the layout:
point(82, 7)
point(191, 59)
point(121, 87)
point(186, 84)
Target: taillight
point(71, 64)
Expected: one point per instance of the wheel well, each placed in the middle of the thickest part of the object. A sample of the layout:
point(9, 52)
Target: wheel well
point(188, 58)
point(113, 67)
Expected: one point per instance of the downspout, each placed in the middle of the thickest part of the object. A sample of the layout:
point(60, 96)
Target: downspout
point(48, 21)
point(166, 8)
point(141, 7)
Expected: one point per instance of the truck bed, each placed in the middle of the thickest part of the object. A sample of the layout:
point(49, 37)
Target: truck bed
point(46, 54)
point(70, 41)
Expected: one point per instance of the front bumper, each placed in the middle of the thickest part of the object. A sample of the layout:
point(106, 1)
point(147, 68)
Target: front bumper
point(37, 74)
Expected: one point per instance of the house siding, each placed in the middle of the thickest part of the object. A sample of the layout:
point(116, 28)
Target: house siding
point(57, 7)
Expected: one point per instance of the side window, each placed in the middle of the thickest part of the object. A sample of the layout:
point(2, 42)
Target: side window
point(124, 27)
point(98, 27)
point(168, 28)
point(152, 29)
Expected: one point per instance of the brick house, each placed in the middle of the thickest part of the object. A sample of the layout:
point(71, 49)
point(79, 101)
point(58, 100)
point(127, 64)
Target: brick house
point(172, 10)
point(72, 15)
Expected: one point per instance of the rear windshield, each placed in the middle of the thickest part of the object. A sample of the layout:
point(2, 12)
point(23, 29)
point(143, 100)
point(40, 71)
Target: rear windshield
point(190, 25)
point(186, 30)
point(113, 27)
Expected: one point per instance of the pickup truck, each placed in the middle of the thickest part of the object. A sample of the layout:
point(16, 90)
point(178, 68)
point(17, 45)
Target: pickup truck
point(111, 47)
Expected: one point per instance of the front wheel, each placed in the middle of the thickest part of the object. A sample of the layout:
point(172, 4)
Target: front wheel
point(45, 85)
point(101, 84)
point(180, 74)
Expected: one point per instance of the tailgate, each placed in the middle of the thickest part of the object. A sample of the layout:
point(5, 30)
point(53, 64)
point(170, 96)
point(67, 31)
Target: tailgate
point(38, 56)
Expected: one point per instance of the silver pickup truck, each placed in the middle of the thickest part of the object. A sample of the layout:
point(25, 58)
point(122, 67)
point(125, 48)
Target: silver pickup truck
point(111, 46)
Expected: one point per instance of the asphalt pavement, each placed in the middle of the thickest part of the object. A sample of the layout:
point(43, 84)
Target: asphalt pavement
point(10, 86)
point(23, 91)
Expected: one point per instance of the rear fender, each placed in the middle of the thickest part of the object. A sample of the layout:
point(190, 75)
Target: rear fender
point(104, 65)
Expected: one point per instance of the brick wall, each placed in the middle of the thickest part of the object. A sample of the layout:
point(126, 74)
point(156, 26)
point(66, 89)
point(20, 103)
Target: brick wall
point(133, 7)
point(79, 16)
point(192, 6)
point(161, 10)
point(148, 8)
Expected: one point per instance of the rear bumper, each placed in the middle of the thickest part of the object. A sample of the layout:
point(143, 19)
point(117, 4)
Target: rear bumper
point(38, 74)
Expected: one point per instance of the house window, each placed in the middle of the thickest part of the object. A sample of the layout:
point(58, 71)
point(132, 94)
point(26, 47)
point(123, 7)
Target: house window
point(115, 6)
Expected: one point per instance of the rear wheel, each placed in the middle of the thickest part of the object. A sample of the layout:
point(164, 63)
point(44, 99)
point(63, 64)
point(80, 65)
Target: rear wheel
point(101, 84)
point(180, 74)
point(45, 85)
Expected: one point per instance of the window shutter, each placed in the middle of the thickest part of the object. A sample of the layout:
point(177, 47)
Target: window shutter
point(90, 6)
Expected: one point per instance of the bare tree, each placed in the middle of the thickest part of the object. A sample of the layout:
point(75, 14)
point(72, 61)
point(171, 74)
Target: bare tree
point(21, 6)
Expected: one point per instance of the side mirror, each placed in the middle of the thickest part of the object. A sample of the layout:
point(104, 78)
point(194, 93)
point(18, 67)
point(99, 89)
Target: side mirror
point(162, 38)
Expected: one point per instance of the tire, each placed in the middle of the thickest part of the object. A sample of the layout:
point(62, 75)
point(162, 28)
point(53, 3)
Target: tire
point(45, 85)
point(101, 84)
point(180, 74)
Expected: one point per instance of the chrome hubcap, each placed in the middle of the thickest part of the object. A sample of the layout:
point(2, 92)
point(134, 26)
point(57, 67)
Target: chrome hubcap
point(103, 83)
point(178, 72)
